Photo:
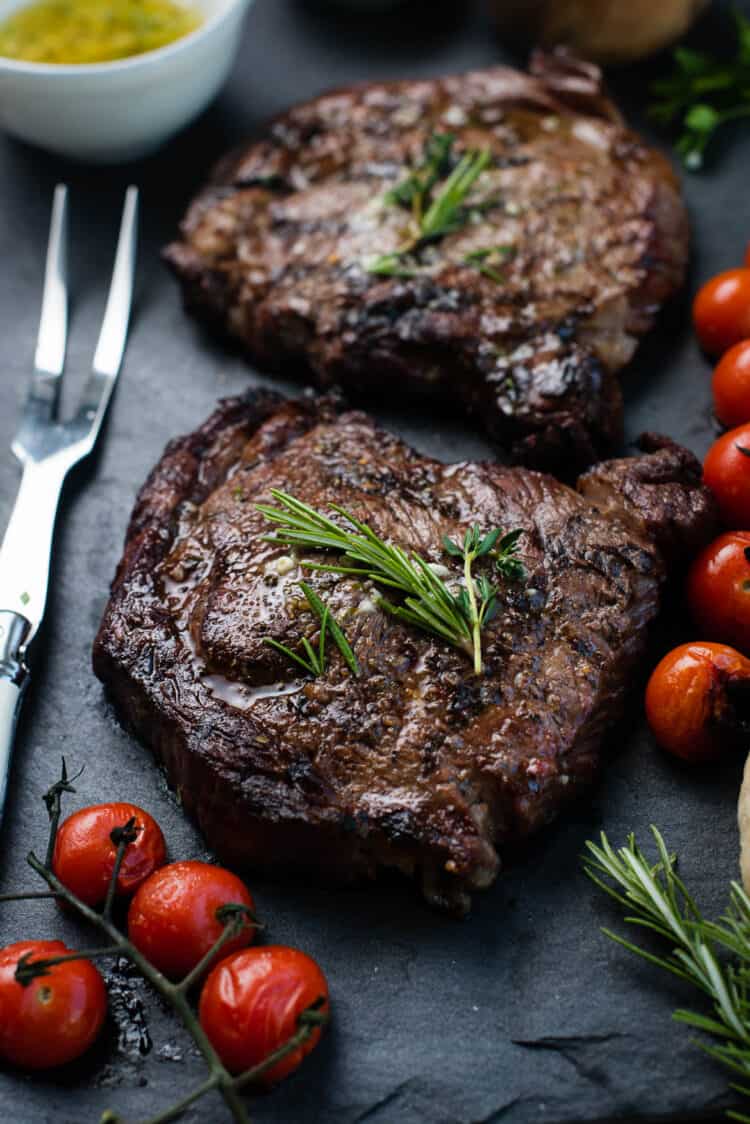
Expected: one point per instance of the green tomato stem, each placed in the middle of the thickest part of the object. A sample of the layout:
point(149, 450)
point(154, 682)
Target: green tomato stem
point(233, 926)
point(171, 992)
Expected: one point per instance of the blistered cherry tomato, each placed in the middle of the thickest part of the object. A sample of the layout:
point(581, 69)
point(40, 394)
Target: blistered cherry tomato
point(250, 1003)
point(54, 1018)
point(726, 471)
point(731, 385)
point(718, 590)
point(721, 311)
point(84, 855)
point(173, 917)
point(697, 700)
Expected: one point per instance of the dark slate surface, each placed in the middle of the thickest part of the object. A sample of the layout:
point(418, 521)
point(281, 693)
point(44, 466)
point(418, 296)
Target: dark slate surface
point(521, 1013)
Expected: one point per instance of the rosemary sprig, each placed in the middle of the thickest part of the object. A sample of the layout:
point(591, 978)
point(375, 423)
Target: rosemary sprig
point(436, 162)
point(657, 899)
point(234, 917)
point(447, 213)
point(703, 93)
point(428, 603)
point(435, 210)
point(315, 661)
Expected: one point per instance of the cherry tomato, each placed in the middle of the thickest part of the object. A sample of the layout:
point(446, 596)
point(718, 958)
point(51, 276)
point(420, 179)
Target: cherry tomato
point(173, 917)
point(696, 700)
point(718, 590)
point(747, 256)
point(731, 385)
point(250, 1003)
point(726, 471)
point(84, 855)
point(721, 311)
point(56, 1017)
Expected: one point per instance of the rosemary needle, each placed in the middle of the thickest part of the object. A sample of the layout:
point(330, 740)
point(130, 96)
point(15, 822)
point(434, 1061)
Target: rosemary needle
point(437, 208)
point(314, 661)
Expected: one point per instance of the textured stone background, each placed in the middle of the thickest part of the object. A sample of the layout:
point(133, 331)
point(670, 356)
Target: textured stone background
point(522, 1013)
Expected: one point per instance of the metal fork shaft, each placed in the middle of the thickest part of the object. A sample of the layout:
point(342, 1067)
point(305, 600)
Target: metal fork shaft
point(47, 448)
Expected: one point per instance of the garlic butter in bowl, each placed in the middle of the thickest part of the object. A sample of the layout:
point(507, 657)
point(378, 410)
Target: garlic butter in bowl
point(107, 81)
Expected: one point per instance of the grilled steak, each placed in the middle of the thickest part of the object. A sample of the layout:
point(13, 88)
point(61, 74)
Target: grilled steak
point(417, 764)
point(567, 245)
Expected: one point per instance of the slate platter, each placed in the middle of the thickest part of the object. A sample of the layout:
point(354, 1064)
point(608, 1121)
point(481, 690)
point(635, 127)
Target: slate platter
point(521, 1013)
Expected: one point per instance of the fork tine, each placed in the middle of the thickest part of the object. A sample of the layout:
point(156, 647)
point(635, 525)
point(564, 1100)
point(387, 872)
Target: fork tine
point(108, 356)
point(49, 358)
point(114, 331)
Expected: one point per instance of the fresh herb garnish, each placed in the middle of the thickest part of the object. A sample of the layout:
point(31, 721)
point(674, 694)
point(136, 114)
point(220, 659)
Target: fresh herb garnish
point(437, 208)
point(657, 899)
point(436, 162)
point(314, 661)
point(486, 261)
point(703, 93)
point(428, 603)
point(505, 554)
point(392, 265)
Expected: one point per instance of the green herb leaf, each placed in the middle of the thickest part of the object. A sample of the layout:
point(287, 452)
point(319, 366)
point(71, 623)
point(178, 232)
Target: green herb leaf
point(390, 265)
point(315, 663)
point(436, 162)
point(446, 213)
point(452, 548)
point(327, 618)
point(482, 260)
point(438, 208)
point(703, 93)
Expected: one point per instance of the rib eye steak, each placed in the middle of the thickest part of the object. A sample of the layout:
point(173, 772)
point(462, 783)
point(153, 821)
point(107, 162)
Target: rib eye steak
point(519, 310)
point(418, 763)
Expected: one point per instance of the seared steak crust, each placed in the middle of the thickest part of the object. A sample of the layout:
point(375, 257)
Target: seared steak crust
point(591, 224)
point(417, 764)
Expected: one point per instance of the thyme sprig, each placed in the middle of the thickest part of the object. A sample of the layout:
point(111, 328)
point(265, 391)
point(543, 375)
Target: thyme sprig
point(233, 916)
point(657, 899)
point(427, 602)
point(437, 208)
point(703, 93)
point(478, 599)
point(314, 661)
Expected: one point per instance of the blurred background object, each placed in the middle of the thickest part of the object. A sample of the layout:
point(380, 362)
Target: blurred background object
point(122, 109)
point(607, 31)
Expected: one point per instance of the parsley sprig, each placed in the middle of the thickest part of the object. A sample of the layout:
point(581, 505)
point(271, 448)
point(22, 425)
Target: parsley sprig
point(314, 659)
point(703, 93)
point(657, 899)
point(427, 601)
point(437, 198)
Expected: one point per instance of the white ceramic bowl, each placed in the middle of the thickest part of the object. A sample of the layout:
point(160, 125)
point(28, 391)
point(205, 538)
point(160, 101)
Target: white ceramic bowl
point(115, 111)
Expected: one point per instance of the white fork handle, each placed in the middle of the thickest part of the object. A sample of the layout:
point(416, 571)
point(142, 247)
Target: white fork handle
point(27, 545)
point(14, 630)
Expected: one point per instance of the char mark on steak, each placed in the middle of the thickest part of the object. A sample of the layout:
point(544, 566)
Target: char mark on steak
point(585, 221)
point(418, 764)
